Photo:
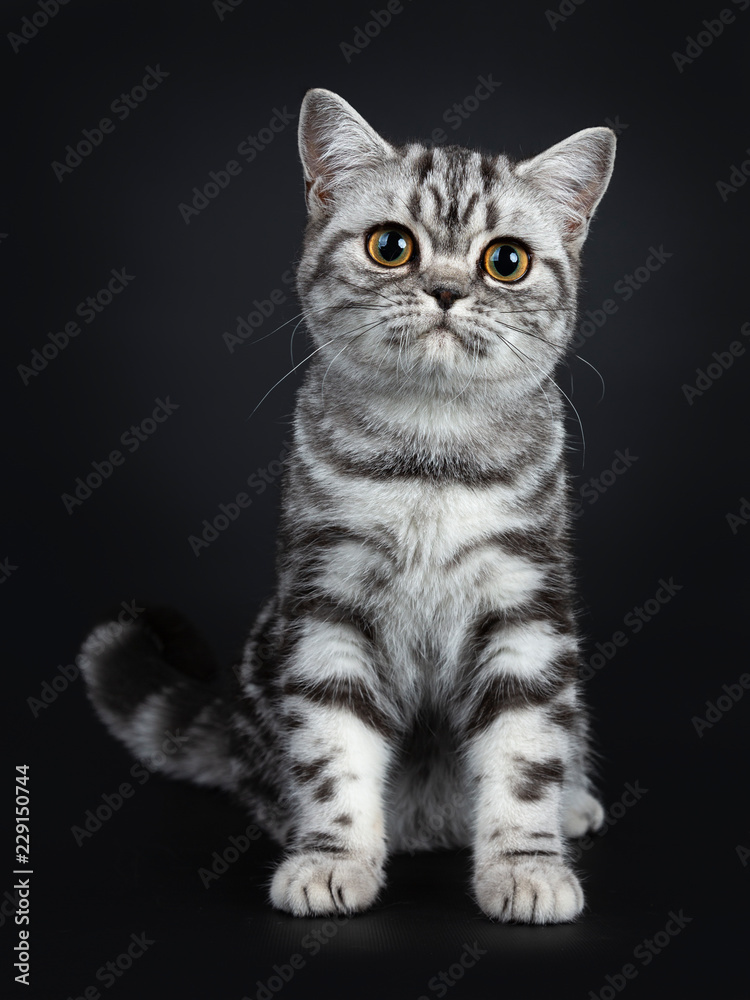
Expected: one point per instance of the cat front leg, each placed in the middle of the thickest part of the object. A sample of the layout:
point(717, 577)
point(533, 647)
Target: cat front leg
point(337, 755)
point(520, 715)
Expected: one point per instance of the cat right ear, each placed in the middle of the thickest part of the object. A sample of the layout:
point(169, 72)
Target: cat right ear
point(575, 173)
point(334, 143)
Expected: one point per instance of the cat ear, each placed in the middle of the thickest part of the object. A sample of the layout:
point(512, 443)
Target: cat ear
point(575, 172)
point(334, 142)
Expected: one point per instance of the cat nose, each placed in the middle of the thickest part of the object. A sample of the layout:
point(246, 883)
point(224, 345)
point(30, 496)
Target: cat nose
point(445, 295)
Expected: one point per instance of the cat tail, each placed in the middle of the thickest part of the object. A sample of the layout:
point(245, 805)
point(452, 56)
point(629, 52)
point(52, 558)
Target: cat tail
point(155, 684)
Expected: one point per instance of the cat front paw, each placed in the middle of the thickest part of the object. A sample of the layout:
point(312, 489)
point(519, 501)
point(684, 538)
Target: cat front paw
point(313, 883)
point(532, 891)
point(582, 813)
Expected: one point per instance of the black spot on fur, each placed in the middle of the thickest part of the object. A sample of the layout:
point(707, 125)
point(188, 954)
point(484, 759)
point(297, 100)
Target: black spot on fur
point(566, 716)
point(309, 770)
point(350, 693)
point(488, 174)
point(500, 694)
point(326, 790)
point(293, 720)
point(423, 165)
point(418, 465)
point(474, 198)
point(536, 776)
point(530, 854)
point(557, 269)
point(320, 841)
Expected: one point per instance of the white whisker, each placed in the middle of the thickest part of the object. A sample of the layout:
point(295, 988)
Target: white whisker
point(285, 323)
point(291, 339)
point(593, 368)
point(580, 423)
point(289, 373)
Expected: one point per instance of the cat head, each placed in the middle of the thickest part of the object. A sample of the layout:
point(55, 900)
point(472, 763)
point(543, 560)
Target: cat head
point(435, 268)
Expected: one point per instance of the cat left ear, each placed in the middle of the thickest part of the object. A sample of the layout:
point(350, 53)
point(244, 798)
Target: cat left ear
point(334, 142)
point(575, 172)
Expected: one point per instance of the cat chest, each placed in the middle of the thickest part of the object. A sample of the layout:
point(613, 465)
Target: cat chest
point(428, 558)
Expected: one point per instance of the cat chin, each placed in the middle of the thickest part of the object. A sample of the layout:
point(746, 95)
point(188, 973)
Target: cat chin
point(445, 342)
point(441, 342)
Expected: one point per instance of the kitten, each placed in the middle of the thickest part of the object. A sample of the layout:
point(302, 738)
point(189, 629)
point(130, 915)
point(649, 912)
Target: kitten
point(413, 680)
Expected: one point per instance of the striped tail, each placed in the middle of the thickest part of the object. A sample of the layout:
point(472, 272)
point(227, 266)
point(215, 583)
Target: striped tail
point(155, 684)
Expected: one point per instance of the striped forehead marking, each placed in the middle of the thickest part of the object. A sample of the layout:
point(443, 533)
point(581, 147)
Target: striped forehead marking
point(450, 187)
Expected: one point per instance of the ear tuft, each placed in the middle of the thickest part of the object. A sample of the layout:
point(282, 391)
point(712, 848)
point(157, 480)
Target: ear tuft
point(575, 173)
point(334, 143)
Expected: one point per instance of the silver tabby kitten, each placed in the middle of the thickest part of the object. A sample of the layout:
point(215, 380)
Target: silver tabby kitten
point(413, 681)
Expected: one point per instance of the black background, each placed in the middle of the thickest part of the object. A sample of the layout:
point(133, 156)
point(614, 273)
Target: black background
point(662, 519)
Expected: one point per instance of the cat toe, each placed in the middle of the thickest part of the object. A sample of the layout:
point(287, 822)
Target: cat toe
point(535, 891)
point(316, 884)
point(584, 813)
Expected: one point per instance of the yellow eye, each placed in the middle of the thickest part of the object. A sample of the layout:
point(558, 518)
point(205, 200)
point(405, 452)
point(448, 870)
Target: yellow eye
point(506, 261)
point(390, 246)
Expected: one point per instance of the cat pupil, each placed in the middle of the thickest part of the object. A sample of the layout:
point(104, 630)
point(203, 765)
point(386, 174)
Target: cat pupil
point(505, 260)
point(391, 245)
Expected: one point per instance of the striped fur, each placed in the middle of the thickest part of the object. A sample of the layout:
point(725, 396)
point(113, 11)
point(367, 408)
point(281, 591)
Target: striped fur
point(413, 681)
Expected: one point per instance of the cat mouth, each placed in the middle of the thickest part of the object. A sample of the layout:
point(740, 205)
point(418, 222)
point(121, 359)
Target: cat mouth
point(444, 333)
point(441, 329)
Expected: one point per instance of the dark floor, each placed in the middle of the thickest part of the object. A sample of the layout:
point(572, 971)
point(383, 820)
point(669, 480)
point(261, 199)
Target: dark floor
point(154, 867)
point(140, 875)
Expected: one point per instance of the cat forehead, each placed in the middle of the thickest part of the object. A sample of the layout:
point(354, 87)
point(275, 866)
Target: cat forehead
point(450, 192)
